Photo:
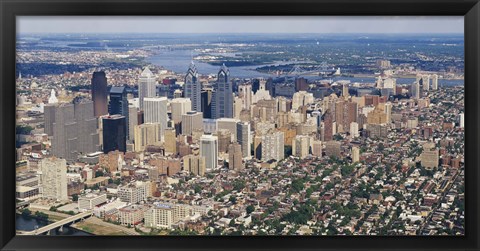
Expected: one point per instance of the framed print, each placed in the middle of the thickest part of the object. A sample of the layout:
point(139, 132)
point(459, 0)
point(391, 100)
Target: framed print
point(348, 125)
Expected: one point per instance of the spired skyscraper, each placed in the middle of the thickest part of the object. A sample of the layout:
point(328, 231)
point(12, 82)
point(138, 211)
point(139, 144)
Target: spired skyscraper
point(193, 88)
point(222, 100)
point(99, 93)
point(146, 86)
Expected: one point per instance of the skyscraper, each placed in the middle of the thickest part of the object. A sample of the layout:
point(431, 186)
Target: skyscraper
point(209, 150)
point(235, 157)
point(132, 121)
point(355, 154)
point(194, 164)
point(155, 111)
point(193, 88)
point(146, 134)
point(180, 106)
point(192, 121)
point(114, 133)
point(49, 118)
point(74, 130)
point(434, 82)
point(99, 93)
point(146, 86)
point(327, 126)
point(273, 146)
point(245, 93)
point(53, 180)
point(243, 138)
point(118, 103)
point(222, 102)
point(301, 146)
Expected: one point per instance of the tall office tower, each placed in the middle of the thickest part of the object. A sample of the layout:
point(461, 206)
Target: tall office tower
point(99, 93)
point(193, 88)
point(180, 106)
point(132, 121)
point(207, 102)
point(146, 86)
point(327, 126)
point(192, 121)
point(301, 146)
point(354, 130)
point(415, 90)
point(461, 120)
point(426, 82)
point(229, 124)
point(235, 157)
point(86, 123)
point(317, 148)
point(345, 90)
point(379, 82)
point(388, 112)
point(114, 133)
point(145, 135)
point(224, 137)
point(49, 118)
point(301, 98)
point(245, 93)
point(355, 154)
point(377, 116)
point(119, 103)
point(53, 179)
point(345, 113)
point(273, 146)
point(222, 102)
point(209, 150)
point(194, 164)
point(170, 136)
point(391, 83)
point(155, 111)
point(244, 138)
point(237, 107)
point(434, 82)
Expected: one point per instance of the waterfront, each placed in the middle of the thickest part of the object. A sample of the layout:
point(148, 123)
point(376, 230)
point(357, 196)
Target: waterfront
point(29, 223)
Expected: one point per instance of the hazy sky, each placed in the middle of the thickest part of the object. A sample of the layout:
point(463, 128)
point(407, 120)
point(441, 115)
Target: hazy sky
point(243, 24)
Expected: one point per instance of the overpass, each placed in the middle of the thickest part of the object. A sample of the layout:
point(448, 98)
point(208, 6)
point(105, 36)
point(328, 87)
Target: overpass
point(57, 224)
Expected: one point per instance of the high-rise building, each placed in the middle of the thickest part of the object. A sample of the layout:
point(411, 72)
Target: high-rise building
point(244, 138)
point(192, 121)
point(245, 93)
point(434, 82)
point(114, 133)
point(415, 90)
point(388, 112)
point(194, 164)
point(170, 140)
point(301, 146)
point(317, 148)
point(193, 88)
point(229, 124)
point(119, 104)
point(235, 157)
point(354, 130)
point(222, 100)
point(430, 156)
point(180, 106)
point(273, 146)
point(355, 154)
point(224, 137)
point(461, 118)
point(146, 86)
point(134, 192)
point(147, 134)
point(155, 111)
point(237, 107)
point(53, 179)
point(207, 102)
point(74, 130)
point(301, 98)
point(99, 93)
point(327, 134)
point(345, 90)
point(49, 118)
point(209, 150)
point(345, 113)
point(426, 82)
point(132, 121)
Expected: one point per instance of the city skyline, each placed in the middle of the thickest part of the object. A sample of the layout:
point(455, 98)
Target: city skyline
point(241, 24)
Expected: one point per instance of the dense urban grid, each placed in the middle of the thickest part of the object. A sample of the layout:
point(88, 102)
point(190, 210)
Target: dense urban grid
point(112, 144)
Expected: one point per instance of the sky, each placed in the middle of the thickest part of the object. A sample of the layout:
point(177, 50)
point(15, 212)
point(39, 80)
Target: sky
point(240, 24)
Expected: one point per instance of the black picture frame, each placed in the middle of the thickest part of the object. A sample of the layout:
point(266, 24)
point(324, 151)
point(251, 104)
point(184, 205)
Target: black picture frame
point(470, 9)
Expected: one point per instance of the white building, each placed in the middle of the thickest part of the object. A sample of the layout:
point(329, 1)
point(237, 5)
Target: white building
point(179, 107)
point(155, 111)
point(53, 178)
point(354, 130)
point(209, 150)
point(146, 86)
point(273, 146)
point(244, 138)
point(91, 200)
point(301, 146)
point(192, 121)
point(134, 192)
point(301, 98)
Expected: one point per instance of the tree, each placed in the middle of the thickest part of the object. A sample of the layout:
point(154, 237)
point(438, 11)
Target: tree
point(75, 197)
point(233, 199)
point(26, 212)
point(250, 209)
point(21, 129)
point(98, 173)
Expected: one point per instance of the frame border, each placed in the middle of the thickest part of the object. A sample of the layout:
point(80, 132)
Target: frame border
point(9, 9)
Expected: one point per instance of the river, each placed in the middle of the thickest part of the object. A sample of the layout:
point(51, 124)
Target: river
point(28, 223)
point(179, 60)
